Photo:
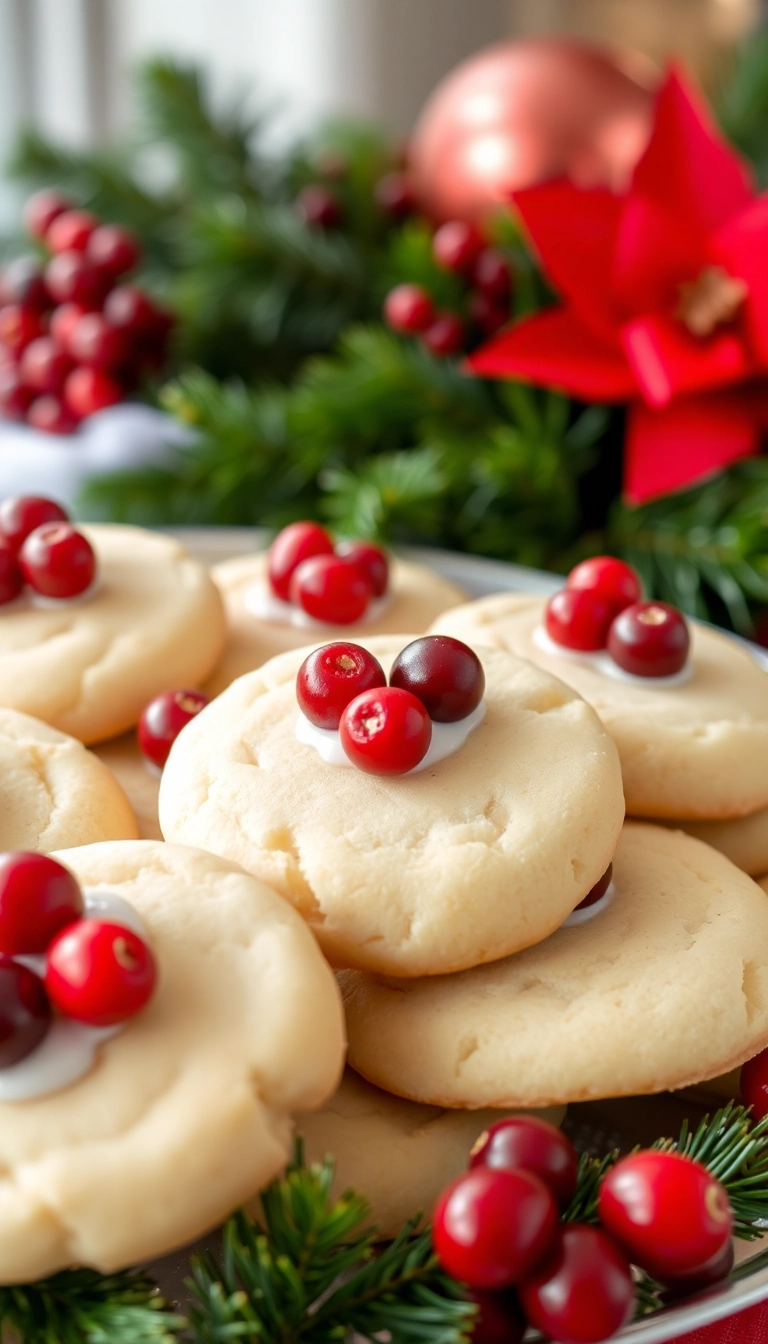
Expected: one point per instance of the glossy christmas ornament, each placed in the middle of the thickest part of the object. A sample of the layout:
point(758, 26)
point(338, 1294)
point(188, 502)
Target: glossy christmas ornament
point(524, 112)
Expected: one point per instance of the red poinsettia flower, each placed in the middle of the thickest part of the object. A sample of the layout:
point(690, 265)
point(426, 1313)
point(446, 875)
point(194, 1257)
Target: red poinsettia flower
point(665, 294)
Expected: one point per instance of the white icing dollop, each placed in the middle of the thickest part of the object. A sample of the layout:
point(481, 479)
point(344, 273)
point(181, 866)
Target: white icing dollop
point(29, 598)
point(446, 739)
point(590, 911)
point(603, 662)
point(69, 1049)
point(261, 602)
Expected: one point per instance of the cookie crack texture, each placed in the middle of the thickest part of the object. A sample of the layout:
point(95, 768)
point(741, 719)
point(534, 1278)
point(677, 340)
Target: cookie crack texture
point(753, 988)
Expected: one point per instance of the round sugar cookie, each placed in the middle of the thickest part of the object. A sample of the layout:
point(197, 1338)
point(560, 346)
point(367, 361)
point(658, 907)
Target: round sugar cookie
point(398, 1154)
point(666, 986)
point(187, 1112)
point(697, 750)
point(417, 597)
point(743, 840)
point(54, 792)
point(153, 623)
point(478, 855)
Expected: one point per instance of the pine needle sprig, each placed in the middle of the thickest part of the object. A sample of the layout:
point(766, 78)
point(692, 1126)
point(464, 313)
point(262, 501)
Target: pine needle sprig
point(736, 1151)
point(83, 1307)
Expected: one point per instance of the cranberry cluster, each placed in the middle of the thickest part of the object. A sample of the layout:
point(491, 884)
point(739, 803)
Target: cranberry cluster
point(460, 248)
point(163, 719)
point(73, 340)
point(498, 1229)
point(753, 1085)
point(386, 729)
point(40, 547)
point(335, 585)
point(600, 607)
point(96, 972)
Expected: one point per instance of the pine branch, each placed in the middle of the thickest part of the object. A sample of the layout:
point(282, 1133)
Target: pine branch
point(83, 1307)
point(742, 102)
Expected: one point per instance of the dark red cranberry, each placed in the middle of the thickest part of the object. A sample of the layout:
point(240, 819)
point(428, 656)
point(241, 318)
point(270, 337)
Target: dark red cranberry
point(38, 898)
point(130, 311)
point(443, 673)
point(457, 245)
point(50, 414)
point(163, 719)
point(650, 639)
point(408, 309)
point(70, 231)
point(44, 367)
point(41, 210)
point(319, 207)
point(297, 542)
point(11, 582)
point(492, 274)
point(113, 250)
point(530, 1144)
point(583, 1292)
point(713, 1272)
point(487, 313)
point(58, 561)
point(18, 327)
point(491, 1228)
point(578, 619)
point(331, 677)
point(88, 390)
point(331, 590)
point(753, 1084)
point(598, 891)
point(385, 731)
point(71, 278)
point(371, 559)
point(499, 1318)
point(93, 340)
point(25, 1012)
point(15, 397)
point(445, 335)
point(63, 321)
point(395, 195)
point(22, 282)
point(21, 514)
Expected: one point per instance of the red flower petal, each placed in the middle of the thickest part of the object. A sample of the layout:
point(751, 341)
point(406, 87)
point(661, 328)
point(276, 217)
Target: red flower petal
point(690, 439)
point(553, 349)
point(742, 249)
point(574, 232)
point(667, 360)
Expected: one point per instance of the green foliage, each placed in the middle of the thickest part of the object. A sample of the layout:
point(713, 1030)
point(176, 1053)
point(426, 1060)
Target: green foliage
point(83, 1307)
point(743, 102)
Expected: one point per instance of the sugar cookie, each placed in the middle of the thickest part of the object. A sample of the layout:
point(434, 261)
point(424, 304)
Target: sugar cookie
point(481, 854)
point(666, 987)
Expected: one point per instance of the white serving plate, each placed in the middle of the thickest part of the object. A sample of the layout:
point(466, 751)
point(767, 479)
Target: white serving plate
point(478, 577)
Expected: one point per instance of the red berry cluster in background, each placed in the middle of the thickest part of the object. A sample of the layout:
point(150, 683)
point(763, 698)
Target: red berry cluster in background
point(96, 972)
point(335, 585)
point(74, 337)
point(40, 547)
point(600, 607)
point(498, 1229)
point(387, 729)
point(163, 719)
point(487, 278)
point(753, 1085)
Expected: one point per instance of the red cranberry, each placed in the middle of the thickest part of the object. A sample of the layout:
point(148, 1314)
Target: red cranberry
point(445, 335)
point(88, 390)
point(331, 590)
point(100, 973)
point(58, 561)
point(297, 542)
point(63, 321)
point(49, 414)
point(408, 308)
point(578, 620)
point(11, 582)
point(18, 326)
point(670, 1214)
point(385, 731)
point(713, 1272)
point(93, 341)
point(499, 1318)
point(487, 313)
point(163, 719)
point(371, 559)
point(753, 1084)
point(44, 367)
point(612, 579)
point(318, 207)
point(38, 898)
point(41, 210)
point(530, 1144)
point(584, 1291)
point(649, 639)
point(491, 274)
point(395, 195)
point(15, 396)
point(25, 1013)
point(113, 250)
point(444, 674)
point(21, 514)
point(129, 310)
point(71, 278)
point(598, 891)
point(331, 677)
point(457, 245)
point(491, 1228)
point(70, 231)
point(22, 282)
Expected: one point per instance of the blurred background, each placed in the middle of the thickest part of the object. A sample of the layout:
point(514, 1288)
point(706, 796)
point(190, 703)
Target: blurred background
point(304, 228)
